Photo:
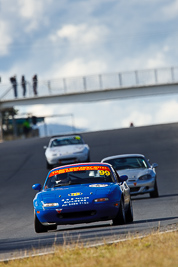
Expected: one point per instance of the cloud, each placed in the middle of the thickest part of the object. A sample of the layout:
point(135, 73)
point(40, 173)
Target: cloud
point(33, 13)
point(156, 61)
point(82, 40)
point(81, 33)
point(5, 38)
point(29, 9)
point(40, 110)
point(167, 112)
point(170, 11)
point(79, 67)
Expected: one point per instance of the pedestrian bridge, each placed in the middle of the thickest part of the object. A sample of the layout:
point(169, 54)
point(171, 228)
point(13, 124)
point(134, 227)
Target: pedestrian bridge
point(99, 87)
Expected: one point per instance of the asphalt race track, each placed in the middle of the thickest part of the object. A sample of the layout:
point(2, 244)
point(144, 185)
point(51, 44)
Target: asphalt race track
point(22, 163)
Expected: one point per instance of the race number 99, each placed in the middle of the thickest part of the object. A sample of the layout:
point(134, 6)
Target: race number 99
point(107, 173)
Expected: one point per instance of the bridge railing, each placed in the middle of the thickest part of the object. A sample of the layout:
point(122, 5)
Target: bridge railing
point(94, 82)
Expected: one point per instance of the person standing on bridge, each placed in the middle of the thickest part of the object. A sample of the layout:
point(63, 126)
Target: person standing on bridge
point(35, 82)
point(14, 85)
point(23, 83)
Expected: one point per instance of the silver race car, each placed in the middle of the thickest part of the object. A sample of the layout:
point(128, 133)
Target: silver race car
point(66, 149)
point(141, 174)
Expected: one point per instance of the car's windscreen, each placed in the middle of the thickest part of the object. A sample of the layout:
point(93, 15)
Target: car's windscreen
point(69, 140)
point(128, 163)
point(71, 176)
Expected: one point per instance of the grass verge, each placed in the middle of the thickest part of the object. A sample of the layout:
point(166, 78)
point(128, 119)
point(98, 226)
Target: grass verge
point(153, 250)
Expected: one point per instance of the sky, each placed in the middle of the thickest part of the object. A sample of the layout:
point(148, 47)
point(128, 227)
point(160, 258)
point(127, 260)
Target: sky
point(71, 38)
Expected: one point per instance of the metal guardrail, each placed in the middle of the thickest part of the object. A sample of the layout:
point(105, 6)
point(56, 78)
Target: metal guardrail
point(95, 82)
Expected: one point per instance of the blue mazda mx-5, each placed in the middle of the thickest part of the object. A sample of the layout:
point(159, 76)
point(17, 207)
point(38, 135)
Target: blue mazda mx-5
point(82, 193)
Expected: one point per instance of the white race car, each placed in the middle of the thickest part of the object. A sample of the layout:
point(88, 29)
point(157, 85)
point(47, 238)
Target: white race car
point(141, 174)
point(66, 149)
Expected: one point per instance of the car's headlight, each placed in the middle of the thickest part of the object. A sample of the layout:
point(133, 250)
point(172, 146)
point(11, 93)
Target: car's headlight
point(145, 177)
point(51, 154)
point(45, 205)
point(101, 199)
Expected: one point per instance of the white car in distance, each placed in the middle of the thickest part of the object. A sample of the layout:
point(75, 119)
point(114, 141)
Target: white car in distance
point(66, 149)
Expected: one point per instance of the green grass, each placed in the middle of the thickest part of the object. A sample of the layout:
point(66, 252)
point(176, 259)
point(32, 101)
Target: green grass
point(154, 250)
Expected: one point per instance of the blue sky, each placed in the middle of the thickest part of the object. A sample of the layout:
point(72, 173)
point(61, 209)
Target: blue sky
point(73, 38)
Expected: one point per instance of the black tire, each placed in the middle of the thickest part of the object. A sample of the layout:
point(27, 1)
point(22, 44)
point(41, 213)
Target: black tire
point(39, 228)
point(52, 227)
point(155, 193)
point(129, 213)
point(49, 166)
point(120, 218)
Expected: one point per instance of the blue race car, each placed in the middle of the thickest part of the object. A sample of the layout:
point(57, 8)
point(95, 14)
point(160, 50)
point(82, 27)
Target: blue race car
point(82, 193)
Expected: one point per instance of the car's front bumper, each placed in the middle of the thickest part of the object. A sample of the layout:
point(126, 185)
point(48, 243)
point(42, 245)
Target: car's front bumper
point(68, 159)
point(74, 215)
point(141, 187)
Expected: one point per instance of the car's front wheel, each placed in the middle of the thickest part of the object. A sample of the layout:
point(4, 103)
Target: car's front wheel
point(129, 213)
point(120, 218)
point(39, 228)
point(155, 192)
point(52, 227)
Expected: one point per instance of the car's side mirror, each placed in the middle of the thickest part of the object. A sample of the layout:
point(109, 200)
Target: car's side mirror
point(123, 178)
point(37, 187)
point(154, 165)
point(45, 147)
